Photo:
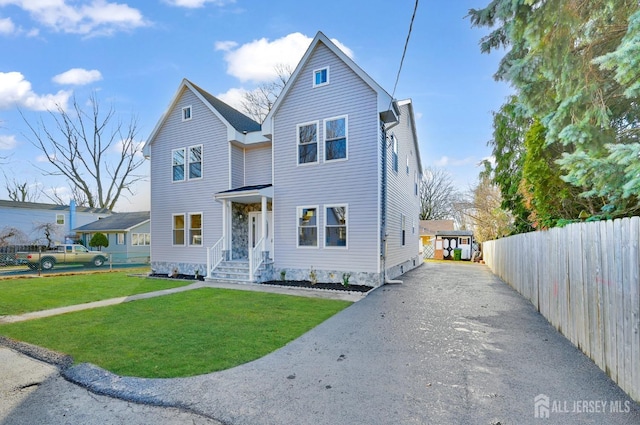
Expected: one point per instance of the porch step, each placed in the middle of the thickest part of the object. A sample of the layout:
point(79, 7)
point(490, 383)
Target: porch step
point(231, 271)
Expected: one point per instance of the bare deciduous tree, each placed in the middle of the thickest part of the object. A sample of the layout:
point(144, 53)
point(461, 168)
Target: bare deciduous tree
point(96, 152)
point(11, 235)
point(437, 195)
point(483, 213)
point(21, 191)
point(258, 102)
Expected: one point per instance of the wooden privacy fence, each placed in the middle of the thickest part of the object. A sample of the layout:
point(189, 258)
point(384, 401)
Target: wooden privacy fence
point(584, 278)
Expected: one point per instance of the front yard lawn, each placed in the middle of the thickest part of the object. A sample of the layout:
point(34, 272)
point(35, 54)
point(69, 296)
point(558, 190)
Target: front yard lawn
point(19, 296)
point(184, 334)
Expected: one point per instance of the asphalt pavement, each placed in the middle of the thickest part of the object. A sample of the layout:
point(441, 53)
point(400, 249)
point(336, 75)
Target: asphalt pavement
point(451, 345)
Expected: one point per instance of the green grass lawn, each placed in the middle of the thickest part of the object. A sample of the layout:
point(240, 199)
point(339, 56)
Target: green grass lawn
point(185, 334)
point(19, 296)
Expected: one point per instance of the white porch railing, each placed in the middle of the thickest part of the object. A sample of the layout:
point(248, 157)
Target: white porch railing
point(215, 255)
point(255, 258)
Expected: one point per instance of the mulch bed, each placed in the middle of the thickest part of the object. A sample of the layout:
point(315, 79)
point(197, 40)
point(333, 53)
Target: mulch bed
point(179, 276)
point(319, 285)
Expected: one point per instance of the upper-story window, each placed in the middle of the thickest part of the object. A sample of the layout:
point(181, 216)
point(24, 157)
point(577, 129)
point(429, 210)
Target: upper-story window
point(394, 142)
point(335, 138)
point(195, 162)
point(415, 183)
point(59, 218)
point(307, 143)
point(407, 164)
point(321, 77)
point(186, 113)
point(177, 164)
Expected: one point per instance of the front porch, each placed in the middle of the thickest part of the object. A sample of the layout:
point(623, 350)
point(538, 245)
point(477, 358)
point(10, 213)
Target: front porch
point(244, 253)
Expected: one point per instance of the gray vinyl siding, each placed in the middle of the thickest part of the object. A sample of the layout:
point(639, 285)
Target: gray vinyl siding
point(401, 198)
point(353, 182)
point(195, 196)
point(237, 167)
point(258, 166)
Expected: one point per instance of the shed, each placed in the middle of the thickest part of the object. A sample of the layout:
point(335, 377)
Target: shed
point(448, 240)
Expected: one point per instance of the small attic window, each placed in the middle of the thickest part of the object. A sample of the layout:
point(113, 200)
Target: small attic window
point(321, 77)
point(186, 113)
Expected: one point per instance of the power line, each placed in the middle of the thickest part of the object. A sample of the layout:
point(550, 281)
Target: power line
point(404, 52)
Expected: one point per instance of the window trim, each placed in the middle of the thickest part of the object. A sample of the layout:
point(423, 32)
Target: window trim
point(58, 216)
point(173, 229)
point(124, 238)
point(317, 226)
point(186, 109)
point(394, 153)
point(346, 226)
point(346, 137)
point(298, 126)
point(137, 236)
point(184, 164)
point(189, 229)
point(403, 230)
point(408, 164)
point(188, 161)
point(318, 70)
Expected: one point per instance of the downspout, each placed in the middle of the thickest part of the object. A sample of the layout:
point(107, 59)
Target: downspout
point(72, 216)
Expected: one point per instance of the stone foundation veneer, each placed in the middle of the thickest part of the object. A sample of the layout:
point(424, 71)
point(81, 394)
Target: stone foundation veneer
point(164, 267)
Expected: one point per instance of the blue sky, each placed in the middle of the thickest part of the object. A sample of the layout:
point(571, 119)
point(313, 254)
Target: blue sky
point(133, 55)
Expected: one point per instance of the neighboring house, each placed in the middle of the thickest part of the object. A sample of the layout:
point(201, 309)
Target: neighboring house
point(129, 236)
point(428, 229)
point(31, 217)
point(449, 240)
point(327, 185)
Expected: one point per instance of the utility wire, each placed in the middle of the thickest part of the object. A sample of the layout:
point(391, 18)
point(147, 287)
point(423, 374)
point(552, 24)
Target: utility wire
point(404, 52)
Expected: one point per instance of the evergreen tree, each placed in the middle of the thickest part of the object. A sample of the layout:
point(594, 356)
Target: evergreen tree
point(99, 240)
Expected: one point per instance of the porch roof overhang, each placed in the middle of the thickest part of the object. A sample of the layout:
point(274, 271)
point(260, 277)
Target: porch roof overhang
point(246, 194)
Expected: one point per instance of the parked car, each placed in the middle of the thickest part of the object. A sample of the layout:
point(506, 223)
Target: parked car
point(62, 254)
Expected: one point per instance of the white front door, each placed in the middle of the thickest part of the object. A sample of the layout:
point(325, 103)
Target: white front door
point(255, 230)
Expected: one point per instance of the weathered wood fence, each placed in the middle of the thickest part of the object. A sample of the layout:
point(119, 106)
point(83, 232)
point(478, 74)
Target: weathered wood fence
point(584, 278)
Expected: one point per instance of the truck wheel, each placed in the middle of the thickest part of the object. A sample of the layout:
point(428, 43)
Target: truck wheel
point(47, 263)
point(98, 261)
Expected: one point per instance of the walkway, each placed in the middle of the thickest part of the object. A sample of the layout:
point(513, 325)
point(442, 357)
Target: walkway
point(451, 345)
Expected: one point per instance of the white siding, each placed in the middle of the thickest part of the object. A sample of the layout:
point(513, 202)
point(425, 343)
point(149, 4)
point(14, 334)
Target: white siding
point(353, 182)
point(401, 197)
point(168, 198)
point(258, 166)
point(237, 167)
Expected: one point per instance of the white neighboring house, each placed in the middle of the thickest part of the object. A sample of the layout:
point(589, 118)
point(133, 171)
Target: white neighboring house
point(326, 186)
point(29, 217)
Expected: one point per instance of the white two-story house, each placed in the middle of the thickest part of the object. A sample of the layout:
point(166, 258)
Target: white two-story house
point(327, 186)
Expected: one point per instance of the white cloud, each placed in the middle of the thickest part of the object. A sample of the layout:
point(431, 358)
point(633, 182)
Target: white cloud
point(445, 161)
point(78, 77)
point(16, 91)
point(193, 4)
point(90, 18)
point(7, 142)
point(7, 26)
point(233, 97)
point(256, 61)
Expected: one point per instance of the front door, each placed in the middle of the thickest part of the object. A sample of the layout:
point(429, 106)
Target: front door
point(255, 230)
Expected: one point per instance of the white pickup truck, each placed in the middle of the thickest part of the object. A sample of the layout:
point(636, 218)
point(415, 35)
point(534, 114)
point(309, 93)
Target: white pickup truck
point(61, 254)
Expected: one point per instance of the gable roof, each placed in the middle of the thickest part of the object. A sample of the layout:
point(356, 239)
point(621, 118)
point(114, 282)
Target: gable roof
point(386, 105)
point(51, 207)
point(409, 104)
point(430, 227)
point(238, 124)
point(117, 222)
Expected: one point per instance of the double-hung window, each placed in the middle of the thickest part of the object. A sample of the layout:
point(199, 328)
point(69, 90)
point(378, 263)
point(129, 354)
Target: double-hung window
point(335, 138)
point(307, 143)
point(178, 229)
point(195, 229)
point(335, 226)
point(119, 238)
point(307, 226)
point(394, 155)
point(59, 218)
point(403, 226)
point(195, 162)
point(177, 164)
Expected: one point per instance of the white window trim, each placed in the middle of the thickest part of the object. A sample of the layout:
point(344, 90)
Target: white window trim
point(318, 150)
point(188, 162)
point(188, 229)
point(63, 219)
point(184, 174)
point(394, 154)
point(173, 222)
point(124, 238)
point(188, 107)
point(298, 212)
point(144, 239)
point(407, 164)
point(315, 71)
point(403, 230)
point(346, 207)
point(346, 136)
